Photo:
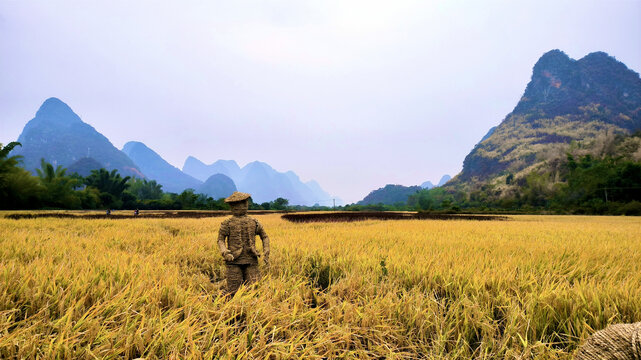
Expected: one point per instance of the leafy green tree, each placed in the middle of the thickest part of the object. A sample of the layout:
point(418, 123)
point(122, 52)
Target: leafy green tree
point(218, 204)
point(145, 189)
point(536, 192)
point(110, 185)
point(280, 204)
point(59, 188)
point(18, 189)
point(598, 186)
point(431, 199)
point(188, 199)
point(90, 198)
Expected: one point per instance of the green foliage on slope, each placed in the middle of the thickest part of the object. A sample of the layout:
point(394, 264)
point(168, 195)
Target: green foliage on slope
point(389, 195)
point(566, 101)
point(102, 189)
point(596, 176)
point(17, 187)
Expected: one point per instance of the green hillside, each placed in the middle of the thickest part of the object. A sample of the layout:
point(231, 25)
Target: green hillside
point(575, 124)
point(566, 101)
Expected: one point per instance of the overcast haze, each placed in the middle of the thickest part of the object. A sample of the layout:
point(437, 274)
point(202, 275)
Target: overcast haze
point(353, 94)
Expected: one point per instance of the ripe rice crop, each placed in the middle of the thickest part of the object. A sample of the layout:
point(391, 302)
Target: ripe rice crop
point(530, 287)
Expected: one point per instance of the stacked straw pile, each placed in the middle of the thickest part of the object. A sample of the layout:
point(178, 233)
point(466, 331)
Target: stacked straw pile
point(616, 342)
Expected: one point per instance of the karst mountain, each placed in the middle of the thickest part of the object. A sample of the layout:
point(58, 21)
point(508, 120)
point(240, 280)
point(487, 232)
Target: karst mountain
point(566, 101)
point(59, 136)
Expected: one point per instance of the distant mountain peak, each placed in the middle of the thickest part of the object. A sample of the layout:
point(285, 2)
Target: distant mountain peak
point(554, 62)
point(599, 55)
point(259, 163)
point(262, 181)
point(157, 168)
point(227, 163)
point(560, 85)
point(566, 100)
point(444, 179)
point(553, 57)
point(193, 159)
point(218, 186)
point(58, 135)
point(54, 109)
point(129, 146)
point(427, 185)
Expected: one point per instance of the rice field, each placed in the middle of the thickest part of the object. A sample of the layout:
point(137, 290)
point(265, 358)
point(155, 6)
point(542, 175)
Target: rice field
point(531, 287)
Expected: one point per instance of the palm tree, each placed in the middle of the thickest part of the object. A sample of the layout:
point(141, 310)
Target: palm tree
point(145, 189)
point(6, 163)
point(48, 174)
point(108, 182)
point(59, 188)
point(18, 189)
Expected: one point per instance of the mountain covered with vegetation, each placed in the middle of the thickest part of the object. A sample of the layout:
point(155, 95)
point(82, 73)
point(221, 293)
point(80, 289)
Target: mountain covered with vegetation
point(84, 166)
point(57, 135)
point(566, 101)
point(389, 195)
point(571, 145)
point(156, 168)
point(395, 195)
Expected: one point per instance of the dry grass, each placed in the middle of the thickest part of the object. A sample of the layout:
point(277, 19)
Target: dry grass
point(533, 287)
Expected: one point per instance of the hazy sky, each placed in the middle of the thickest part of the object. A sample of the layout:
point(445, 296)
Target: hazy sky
point(353, 94)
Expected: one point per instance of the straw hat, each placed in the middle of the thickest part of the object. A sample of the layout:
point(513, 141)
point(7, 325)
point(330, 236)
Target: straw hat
point(237, 196)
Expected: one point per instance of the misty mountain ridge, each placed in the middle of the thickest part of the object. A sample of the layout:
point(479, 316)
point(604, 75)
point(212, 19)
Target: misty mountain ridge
point(444, 179)
point(155, 167)
point(202, 172)
point(565, 101)
point(262, 181)
point(58, 135)
point(217, 186)
point(428, 184)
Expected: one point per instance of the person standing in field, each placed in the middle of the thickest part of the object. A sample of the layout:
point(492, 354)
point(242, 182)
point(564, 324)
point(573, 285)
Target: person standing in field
point(237, 243)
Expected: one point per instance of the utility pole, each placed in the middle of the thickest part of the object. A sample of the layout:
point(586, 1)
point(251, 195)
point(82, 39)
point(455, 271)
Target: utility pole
point(334, 203)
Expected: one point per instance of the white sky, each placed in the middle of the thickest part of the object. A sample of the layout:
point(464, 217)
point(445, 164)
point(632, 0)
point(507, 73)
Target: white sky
point(353, 94)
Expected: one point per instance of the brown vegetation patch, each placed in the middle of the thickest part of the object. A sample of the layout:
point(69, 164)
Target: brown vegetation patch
point(343, 216)
point(156, 214)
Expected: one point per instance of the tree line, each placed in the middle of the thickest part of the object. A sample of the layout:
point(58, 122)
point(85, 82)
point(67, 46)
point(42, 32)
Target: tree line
point(600, 176)
point(584, 185)
point(54, 188)
point(582, 182)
